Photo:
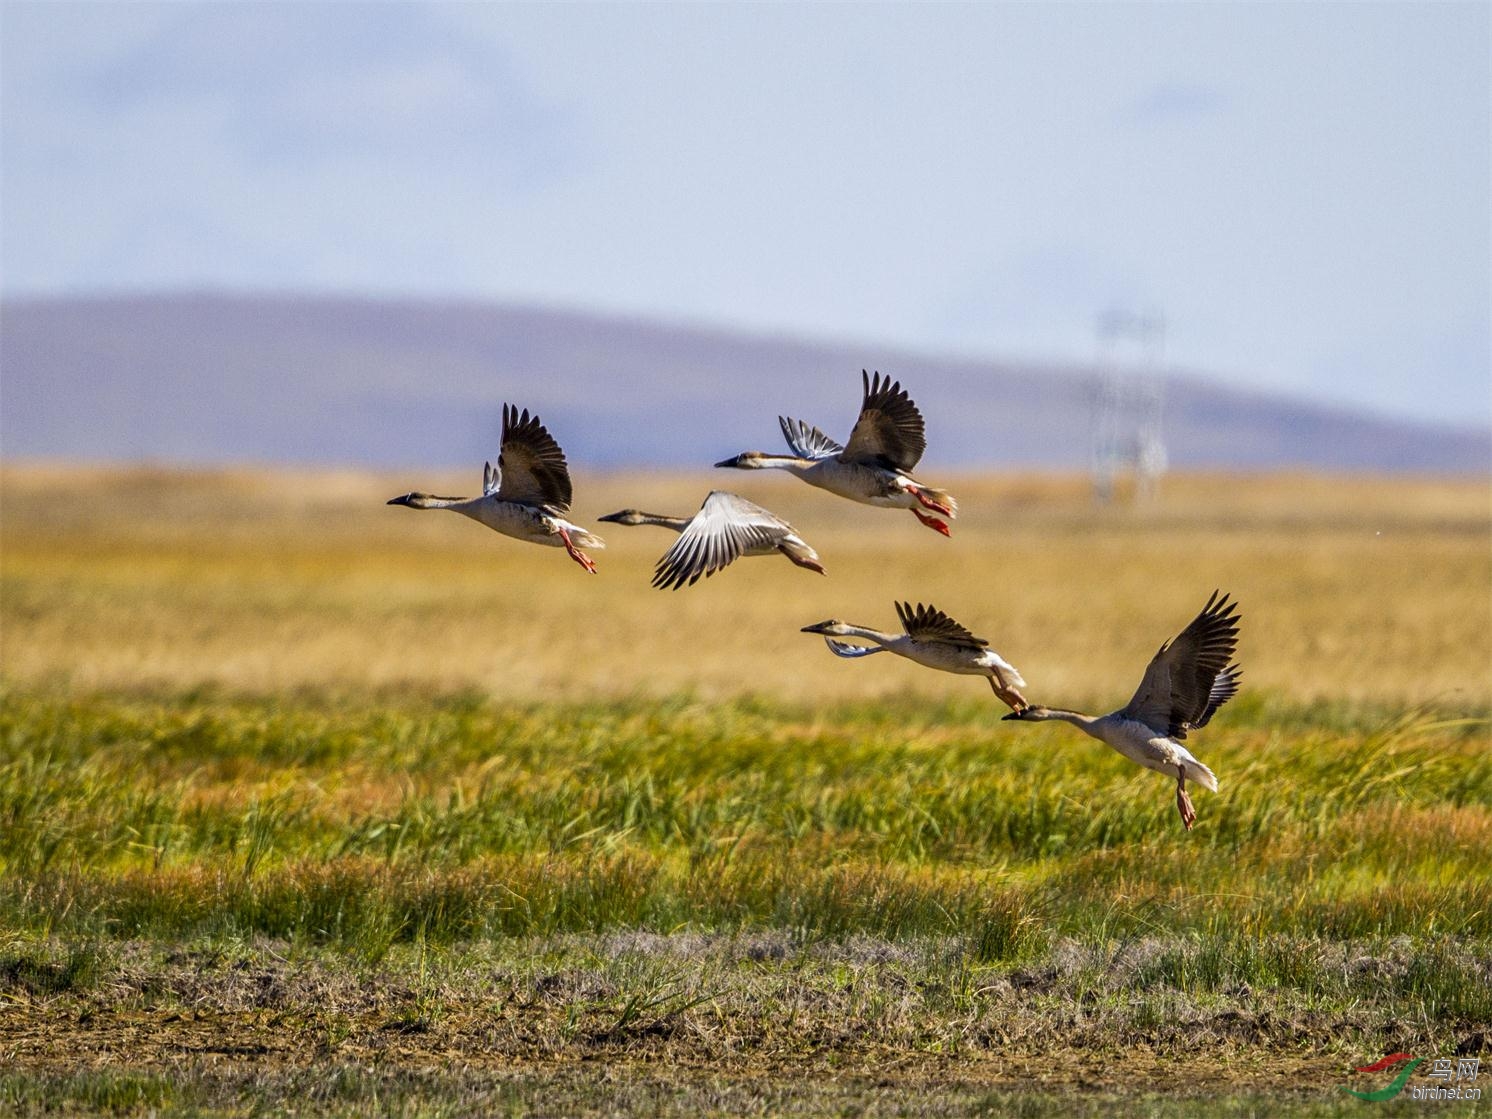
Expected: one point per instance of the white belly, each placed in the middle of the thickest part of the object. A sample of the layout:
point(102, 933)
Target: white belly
point(522, 522)
point(1159, 752)
point(864, 484)
point(951, 658)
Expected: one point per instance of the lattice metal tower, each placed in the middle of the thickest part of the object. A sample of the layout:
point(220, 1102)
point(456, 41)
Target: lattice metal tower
point(1129, 401)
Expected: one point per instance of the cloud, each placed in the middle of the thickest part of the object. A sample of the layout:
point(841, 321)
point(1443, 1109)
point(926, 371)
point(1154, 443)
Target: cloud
point(303, 84)
point(1170, 102)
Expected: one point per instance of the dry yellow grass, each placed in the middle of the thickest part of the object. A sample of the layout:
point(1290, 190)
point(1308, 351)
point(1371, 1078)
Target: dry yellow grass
point(259, 581)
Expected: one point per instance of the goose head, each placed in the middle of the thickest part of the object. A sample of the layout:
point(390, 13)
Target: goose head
point(419, 500)
point(831, 628)
point(1033, 713)
point(747, 460)
point(626, 517)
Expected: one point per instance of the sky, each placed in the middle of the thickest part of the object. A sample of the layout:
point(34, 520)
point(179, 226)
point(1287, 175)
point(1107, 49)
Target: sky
point(1300, 191)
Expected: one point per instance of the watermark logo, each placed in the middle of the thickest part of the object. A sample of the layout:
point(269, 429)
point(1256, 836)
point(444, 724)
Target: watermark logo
point(1397, 1085)
point(1443, 1069)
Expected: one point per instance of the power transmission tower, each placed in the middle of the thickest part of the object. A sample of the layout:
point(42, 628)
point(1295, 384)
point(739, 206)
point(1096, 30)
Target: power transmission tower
point(1129, 403)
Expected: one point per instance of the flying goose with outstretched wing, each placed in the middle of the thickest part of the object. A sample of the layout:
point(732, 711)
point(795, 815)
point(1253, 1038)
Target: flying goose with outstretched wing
point(1187, 680)
point(874, 467)
point(726, 528)
point(931, 638)
point(526, 495)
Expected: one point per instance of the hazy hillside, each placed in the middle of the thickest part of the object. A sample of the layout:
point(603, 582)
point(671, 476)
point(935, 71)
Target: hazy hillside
point(225, 378)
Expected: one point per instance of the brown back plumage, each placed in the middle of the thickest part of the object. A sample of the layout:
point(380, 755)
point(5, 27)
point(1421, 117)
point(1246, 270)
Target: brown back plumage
point(928, 623)
point(1190, 677)
point(531, 467)
point(889, 431)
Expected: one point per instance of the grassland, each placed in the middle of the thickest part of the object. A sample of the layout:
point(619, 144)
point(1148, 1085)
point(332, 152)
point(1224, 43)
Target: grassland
point(309, 803)
point(1355, 589)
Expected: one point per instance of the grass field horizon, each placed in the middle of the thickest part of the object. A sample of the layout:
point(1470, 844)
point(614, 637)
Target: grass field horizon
point(1361, 589)
point(309, 802)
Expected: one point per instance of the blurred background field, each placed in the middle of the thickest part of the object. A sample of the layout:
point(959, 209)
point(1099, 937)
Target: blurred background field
point(1375, 590)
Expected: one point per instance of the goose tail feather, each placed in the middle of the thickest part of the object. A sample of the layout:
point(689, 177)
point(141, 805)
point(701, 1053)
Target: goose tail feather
point(583, 539)
point(1196, 771)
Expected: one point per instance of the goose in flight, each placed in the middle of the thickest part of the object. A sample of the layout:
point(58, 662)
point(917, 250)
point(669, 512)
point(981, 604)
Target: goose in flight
point(526, 495)
point(874, 467)
point(930, 637)
point(1188, 679)
point(726, 528)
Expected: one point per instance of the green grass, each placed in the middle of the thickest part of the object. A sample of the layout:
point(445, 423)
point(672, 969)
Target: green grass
point(751, 890)
point(452, 821)
point(449, 821)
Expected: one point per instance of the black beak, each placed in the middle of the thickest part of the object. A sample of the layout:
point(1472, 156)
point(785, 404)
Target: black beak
point(615, 517)
point(817, 627)
point(1016, 715)
point(403, 499)
point(736, 461)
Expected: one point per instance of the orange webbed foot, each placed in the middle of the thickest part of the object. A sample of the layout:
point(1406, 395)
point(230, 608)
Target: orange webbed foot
point(932, 523)
point(576, 554)
point(1184, 806)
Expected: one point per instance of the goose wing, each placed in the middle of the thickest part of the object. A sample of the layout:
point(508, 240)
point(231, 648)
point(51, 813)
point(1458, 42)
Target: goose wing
point(851, 652)
point(725, 528)
point(807, 441)
point(889, 431)
point(1190, 677)
point(531, 468)
point(928, 623)
point(1224, 688)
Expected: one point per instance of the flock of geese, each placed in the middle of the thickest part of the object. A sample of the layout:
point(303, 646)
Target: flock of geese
point(527, 496)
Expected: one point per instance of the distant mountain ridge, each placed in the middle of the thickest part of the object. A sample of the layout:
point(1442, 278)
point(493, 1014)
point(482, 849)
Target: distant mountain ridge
point(213, 378)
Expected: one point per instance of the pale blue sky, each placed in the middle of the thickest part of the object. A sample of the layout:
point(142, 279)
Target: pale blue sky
point(1302, 190)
